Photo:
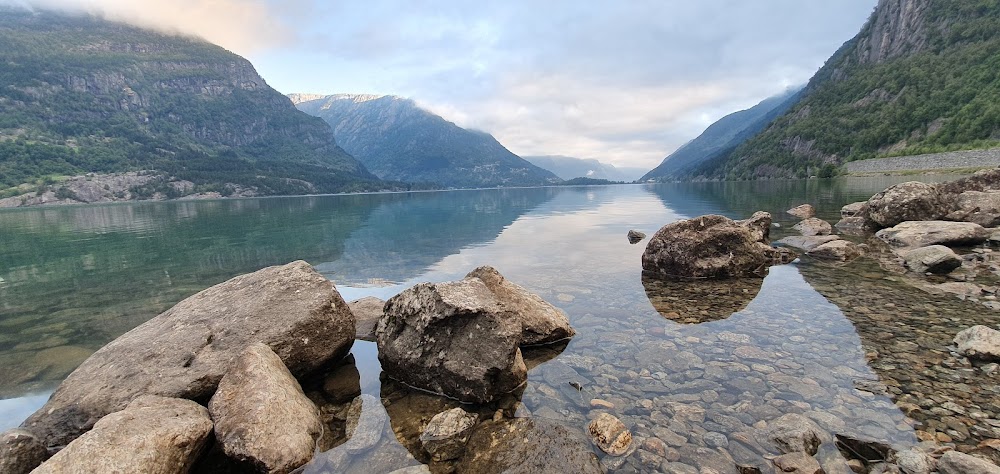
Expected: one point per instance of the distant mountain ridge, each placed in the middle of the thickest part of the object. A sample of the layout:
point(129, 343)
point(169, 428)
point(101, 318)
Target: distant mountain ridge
point(79, 94)
point(398, 140)
point(723, 136)
point(568, 167)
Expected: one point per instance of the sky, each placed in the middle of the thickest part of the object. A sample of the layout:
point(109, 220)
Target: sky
point(626, 81)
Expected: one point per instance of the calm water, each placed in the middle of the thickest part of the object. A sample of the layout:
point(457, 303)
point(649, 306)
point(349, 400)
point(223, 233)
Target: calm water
point(845, 345)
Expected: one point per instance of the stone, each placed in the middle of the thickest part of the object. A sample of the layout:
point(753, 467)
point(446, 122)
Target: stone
point(452, 338)
point(933, 258)
point(837, 250)
point(525, 446)
point(923, 233)
point(262, 417)
point(979, 342)
point(20, 452)
point(913, 461)
point(367, 420)
point(954, 462)
point(798, 463)
point(807, 243)
point(699, 301)
point(151, 435)
point(802, 211)
point(792, 433)
point(910, 201)
point(446, 434)
point(855, 225)
point(868, 449)
point(343, 384)
point(541, 323)
point(367, 311)
point(713, 246)
point(635, 237)
point(813, 226)
point(854, 209)
point(980, 207)
point(185, 351)
point(610, 434)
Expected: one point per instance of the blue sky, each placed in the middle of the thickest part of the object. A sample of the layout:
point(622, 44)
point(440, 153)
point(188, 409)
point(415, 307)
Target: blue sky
point(625, 82)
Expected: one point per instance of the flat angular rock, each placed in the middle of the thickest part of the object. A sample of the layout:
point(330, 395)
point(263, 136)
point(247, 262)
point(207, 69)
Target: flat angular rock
point(20, 452)
point(184, 351)
point(807, 242)
point(980, 207)
point(910, 201)
point(610, 434)
point(792, 433)
point(813, 226)
point(802, 211)
point(154, 435)
point(446, 434)
point(452, 338)
point(367, 311)
point(713, 247)
point(261, 416)
point(837, 250)
point(979, 342)
point(854, 209)
point(541, 323)
point(954, 462)
point(923, 233)
point(527, 446)
point(933, 258)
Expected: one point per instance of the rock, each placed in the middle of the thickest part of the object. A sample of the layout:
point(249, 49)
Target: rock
point(446, 434)
point(343, 384)
point(855, 225)
point(954, 462)
point(635, 237)
point(367, 420)
point(798, 463)
point(184, 351)
point(610, 434)
point(527, 445)
point(452, 338)
point(867, 449)
point(261, 416)
point(20, 452)
point(792, 433)
point(837, 250)
point(924, 233)
point(982, 208)
point(854, 209)
point(807, 243)
point(367, 311)
point(913, 461)
point(979, 342)
point(813, 226)
point(802, 211)
point(698, 301)
point(988, 450)
point(713, 247)
point(151, 435)
point(541, 323)
point(910, 201)
point(933, 258)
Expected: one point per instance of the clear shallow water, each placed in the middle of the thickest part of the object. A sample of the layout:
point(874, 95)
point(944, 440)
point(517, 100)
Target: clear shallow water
point(75, 278)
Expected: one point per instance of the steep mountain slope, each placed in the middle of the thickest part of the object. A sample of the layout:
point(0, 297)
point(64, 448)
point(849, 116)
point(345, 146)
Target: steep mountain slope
point(79, 94)
point(724, 135)
point(398, 140)
point(568, 167)
point(920, 77)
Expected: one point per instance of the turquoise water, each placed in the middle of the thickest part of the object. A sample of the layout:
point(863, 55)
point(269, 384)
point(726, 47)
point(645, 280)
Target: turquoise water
point(73, 278)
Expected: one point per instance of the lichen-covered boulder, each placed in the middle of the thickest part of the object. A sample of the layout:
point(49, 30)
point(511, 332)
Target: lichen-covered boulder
point(541, 323)
point(910, 201)
point(713, 246)
point(185, 351)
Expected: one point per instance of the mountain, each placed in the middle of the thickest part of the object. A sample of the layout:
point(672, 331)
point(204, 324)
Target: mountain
point(398, 140)
point(920, 77)
point(567, 167)
point(79, 94)
point(723, 136)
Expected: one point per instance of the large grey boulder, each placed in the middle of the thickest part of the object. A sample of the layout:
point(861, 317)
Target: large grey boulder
point(527, 446)
point(792, 433)
point(713, 246)
point(954, 462)
point(802, 211)
point(910, 201)
point(185, 351)
point(933, 258)
point(20, 452)
point(923, 233)
point(155, 435)
point(980, 207)
point(262, 417)
point(541, 323)
point(813, 226)
point(367, 311)
point(452, 338)
point(979, 342)
point(445, 436)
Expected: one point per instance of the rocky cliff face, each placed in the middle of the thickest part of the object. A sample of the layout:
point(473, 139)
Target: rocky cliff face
point(897, 28)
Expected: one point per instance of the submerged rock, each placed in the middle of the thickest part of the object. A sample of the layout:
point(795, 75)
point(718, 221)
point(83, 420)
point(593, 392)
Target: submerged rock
point(635, 237)
point(802, 211)
point(807, 242)
point(855, 225)
point(792, 433)
point(798, 463)
point(924, 233)
point(837, 250)
point(910, 201)
point(445, 436)
point(713, 247)
point(694, 302)
point(20, 452)
point(610, 434)
point(261, 416)
point(813, 226)
point(541, 323)
point(151, 435)
point(933, 258)
point(527, 446)
point(185, 351)
point(367, 311)
point(979, 342)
